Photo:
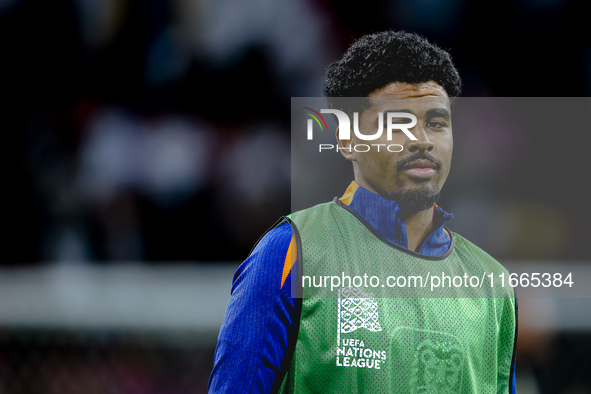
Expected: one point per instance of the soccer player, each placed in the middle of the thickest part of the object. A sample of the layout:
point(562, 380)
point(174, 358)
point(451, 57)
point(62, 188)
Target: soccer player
point(386, 221)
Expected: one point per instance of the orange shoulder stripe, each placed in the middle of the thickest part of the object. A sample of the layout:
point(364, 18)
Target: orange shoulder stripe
point(290, 259)
point(348, 196)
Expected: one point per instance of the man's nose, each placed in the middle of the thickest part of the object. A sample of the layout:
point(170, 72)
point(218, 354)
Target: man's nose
point(422, 142)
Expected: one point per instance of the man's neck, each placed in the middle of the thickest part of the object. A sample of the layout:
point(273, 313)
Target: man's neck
point(418, 226)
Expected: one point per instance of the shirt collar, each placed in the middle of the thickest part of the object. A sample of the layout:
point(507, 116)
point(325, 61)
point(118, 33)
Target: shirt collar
point(384, 215)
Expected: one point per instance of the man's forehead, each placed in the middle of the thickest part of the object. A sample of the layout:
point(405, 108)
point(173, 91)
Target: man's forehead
point(408, 104)
point(411, 97)
point(408, 90)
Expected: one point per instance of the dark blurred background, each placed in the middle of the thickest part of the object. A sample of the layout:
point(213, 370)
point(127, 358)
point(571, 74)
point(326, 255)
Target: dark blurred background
point(156, 133)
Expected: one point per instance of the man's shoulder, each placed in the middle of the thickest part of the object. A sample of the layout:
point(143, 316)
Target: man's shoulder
point(322, 207)
point(465, 247)
point(276, 235)
point(316, 211)
point(269, 255)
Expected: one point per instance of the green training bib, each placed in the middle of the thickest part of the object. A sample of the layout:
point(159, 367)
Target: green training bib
point(370, 337)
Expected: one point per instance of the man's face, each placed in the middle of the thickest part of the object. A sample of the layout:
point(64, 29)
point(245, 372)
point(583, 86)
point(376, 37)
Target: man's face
point(418, 172)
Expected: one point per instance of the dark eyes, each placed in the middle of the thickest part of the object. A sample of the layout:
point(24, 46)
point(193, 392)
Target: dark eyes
point(435, 124)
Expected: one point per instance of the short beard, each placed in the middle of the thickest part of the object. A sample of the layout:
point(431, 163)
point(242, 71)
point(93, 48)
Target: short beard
point(413, 201)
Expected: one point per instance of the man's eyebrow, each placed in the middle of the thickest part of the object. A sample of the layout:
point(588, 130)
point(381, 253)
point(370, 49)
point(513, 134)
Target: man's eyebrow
point(438, 113)
point(432, 113)
point(390, 111)
point(397, 110)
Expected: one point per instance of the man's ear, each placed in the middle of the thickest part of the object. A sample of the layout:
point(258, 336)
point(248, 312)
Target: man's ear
point(346, 147)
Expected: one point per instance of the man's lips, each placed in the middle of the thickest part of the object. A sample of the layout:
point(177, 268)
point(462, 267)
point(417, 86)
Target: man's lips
point(420, 168)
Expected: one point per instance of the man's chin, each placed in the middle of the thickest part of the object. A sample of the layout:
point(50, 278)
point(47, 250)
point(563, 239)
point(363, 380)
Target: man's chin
point(416, 199)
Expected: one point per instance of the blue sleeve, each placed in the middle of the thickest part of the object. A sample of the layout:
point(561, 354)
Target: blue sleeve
point(259, 320)
point(513, 382)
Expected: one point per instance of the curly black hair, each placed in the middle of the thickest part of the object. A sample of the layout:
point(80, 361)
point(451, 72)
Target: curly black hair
point(375, 60)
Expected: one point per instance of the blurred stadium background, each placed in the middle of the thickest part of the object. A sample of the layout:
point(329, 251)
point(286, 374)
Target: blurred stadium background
point(145, 148)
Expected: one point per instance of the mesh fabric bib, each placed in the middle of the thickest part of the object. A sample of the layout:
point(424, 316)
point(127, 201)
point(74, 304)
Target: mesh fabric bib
point(371, 337)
